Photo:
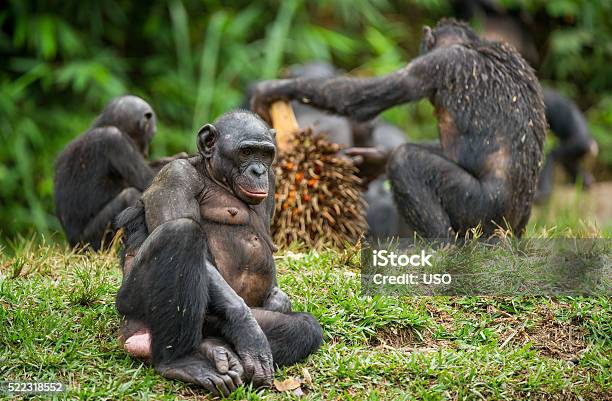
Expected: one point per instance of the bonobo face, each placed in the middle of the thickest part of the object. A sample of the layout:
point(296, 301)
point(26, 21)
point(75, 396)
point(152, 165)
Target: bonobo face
point(239, 151)
point(134, 117)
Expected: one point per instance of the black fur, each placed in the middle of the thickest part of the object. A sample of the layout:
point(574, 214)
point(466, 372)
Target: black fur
point(492, 127)
point(207, 258)
point(132, 220)
point(104, 171)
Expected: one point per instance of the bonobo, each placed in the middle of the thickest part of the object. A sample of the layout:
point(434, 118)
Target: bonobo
point(104, 171)
point(491, 122)
point(568, 124)
point(199, 295)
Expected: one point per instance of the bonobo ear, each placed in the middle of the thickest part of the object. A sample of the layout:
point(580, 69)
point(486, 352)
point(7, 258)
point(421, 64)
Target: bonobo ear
point(207, 137)
point(428, 37)
point(272, 132)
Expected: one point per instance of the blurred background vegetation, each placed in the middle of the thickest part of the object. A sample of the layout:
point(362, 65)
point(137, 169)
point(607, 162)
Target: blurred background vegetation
point(62, 61)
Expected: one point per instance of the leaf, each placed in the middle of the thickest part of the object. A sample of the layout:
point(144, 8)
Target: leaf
point(307, 377)
point(287, 385)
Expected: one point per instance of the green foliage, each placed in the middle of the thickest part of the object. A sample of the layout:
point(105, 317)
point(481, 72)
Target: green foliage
point(192, 59)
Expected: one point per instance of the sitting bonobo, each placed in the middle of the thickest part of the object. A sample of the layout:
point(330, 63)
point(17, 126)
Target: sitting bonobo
point(104, 171)
point(491, 123)
point(199, 295)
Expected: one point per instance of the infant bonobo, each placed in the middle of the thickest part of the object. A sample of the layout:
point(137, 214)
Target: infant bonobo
point(199, 294)
point(104, 171)
point(491, 123)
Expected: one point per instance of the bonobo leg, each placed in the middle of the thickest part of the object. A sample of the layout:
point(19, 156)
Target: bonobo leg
point(436, 197)
point(167, 291)
point(570, 155)
point(94, 232)
point(292, 336)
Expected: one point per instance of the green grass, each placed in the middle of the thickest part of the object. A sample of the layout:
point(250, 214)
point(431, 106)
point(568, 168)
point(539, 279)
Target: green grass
point(58, 323)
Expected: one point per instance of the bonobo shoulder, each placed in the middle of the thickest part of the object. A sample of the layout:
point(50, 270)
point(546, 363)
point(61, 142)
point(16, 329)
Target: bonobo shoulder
point(108, 133)
point(172, 195)
point(179, 174)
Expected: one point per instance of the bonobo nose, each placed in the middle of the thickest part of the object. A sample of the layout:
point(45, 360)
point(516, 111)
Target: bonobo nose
point(257, 170)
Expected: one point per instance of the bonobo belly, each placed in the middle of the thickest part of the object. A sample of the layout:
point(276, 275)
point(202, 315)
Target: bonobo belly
point(243, 258)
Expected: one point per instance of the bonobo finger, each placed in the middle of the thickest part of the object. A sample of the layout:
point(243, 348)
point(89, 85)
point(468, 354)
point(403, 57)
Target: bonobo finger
point(229, 382)
point(221, 360)
point(209, 385)
point(236, 377)
point(370, 153)
point(263, 375)
point(249, 366)
point(268, 375)
point(258, 378)
point(357, 160)
point(235, 366)
point(220, 385)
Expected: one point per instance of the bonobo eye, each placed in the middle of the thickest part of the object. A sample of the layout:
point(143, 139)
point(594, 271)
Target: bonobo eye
point(246, 152)
point(148, 115)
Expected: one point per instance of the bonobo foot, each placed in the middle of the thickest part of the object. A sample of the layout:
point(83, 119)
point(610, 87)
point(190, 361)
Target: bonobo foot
point(197, 369)
point(258, 367)
point(222, 356)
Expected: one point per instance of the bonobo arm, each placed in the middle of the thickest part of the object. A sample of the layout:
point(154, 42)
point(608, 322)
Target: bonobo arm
point(360, 99)
point(173, 194)
point(240, 328)
point(125, 158)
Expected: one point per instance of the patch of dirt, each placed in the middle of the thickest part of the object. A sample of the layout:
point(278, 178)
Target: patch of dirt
point(411, 339)
point(551, 337)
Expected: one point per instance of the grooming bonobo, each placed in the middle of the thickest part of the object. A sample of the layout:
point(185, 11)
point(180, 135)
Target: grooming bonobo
point(199, 296)
point(104, 171)
point(491, 123)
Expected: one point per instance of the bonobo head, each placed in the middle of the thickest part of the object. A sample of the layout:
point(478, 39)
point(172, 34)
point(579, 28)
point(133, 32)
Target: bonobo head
point(238, 151)
point(133, 116)
point(447, 32)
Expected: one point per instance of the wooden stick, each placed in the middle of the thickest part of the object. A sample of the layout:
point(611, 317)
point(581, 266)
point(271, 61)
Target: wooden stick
point(285, 124)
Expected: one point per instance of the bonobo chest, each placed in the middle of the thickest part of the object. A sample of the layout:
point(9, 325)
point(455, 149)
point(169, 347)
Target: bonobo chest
point(239, 243)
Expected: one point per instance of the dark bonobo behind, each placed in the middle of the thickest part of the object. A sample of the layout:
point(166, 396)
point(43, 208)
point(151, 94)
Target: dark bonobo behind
point(198, 253)
point(104, 170)
point(569, 125)
point(491, 123)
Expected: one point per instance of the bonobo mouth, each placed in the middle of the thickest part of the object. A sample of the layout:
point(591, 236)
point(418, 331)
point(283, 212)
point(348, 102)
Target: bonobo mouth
point(254, 195)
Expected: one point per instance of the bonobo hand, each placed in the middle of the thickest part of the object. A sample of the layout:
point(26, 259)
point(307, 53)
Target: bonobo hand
point(371, 162)
point(225, 360)
point(267, 92)
point(277, 301)
point(256, 355)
